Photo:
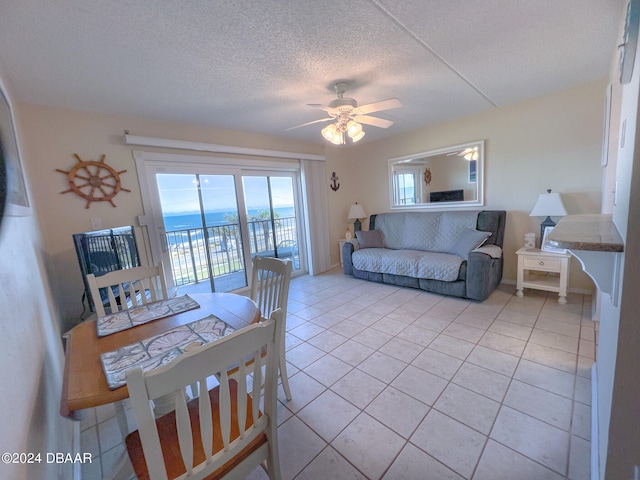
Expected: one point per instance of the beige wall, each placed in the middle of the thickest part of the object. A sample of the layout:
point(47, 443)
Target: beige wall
point(53, 135)
point(548, 142)
point(32, 359)
point(618, 363)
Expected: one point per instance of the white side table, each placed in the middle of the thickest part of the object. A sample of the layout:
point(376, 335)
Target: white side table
point(533, 259)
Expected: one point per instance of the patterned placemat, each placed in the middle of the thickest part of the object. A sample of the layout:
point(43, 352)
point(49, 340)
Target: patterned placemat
point(132, 317)
point(161, 349)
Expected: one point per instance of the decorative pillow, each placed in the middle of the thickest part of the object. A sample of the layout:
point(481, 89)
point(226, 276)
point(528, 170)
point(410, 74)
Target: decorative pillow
point(467, 241)
point(370, 239)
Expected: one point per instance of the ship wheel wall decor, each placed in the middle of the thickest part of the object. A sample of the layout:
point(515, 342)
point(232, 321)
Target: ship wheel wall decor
point(93, 181)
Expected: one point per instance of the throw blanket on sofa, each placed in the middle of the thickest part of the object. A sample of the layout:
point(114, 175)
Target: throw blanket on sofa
point(418, 244)
point(410, 263)
point(430, 231)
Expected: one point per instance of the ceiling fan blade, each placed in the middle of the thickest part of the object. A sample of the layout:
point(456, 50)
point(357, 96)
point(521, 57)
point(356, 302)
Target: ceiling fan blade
point(375, 121)
point(378, 106)
point(321, 107)
point(309, 123)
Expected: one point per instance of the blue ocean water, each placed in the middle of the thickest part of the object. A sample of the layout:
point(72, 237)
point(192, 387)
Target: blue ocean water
point(193, 220)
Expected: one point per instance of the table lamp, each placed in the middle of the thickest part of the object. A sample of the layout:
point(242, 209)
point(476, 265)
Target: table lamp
point(548, 205)
point(356, 212)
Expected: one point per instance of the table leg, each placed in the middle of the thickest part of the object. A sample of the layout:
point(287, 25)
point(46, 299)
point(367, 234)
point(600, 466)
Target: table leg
point(121, 418)
point(520, 278)
point(123, 469)
point(166, 404)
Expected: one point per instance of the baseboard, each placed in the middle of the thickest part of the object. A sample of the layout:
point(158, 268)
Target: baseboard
point(595, 458)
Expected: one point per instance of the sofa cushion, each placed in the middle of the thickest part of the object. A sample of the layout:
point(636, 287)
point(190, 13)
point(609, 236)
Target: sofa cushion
point(370, 239)
point(410, 263)
point(429, 231)
point(468, 240)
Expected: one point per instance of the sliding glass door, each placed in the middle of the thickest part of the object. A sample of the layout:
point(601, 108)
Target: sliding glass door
point(215, 223)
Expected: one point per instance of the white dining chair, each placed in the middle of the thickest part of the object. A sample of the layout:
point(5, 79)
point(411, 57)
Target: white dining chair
point(270, 290)
point(220, 435)
point(127, 288)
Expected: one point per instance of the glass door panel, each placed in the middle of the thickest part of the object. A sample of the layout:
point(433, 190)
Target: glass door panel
point(200, 215)
point(271, 217)
point(219, 203)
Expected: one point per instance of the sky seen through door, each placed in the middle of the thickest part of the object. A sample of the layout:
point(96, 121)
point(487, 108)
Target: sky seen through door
point(179, 194)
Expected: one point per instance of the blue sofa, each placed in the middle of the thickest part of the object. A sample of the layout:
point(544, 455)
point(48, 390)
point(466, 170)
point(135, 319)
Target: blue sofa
point(455, 253)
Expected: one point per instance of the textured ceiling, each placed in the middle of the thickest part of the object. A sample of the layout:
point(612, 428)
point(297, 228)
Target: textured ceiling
point(253, 65)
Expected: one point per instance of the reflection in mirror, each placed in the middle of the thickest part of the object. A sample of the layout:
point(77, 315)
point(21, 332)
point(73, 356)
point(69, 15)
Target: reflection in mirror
point(443, 178)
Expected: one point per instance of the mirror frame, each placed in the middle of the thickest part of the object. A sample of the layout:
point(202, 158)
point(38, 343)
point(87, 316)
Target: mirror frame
point(479, 200)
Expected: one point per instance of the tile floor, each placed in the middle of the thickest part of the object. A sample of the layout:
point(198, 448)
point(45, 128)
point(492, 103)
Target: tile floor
point(396, 383)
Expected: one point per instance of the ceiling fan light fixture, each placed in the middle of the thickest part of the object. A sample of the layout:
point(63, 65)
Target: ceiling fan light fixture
point(353, 128)
point(330, 132)
point(344, 111)
point(358, 136)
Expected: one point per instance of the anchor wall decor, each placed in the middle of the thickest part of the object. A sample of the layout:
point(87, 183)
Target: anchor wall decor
point(334, 182)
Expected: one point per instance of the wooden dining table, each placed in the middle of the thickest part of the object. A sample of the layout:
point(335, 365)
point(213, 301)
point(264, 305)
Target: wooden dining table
point(84, 382)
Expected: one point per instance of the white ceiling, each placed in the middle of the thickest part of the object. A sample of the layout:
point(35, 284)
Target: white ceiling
point(253, 65)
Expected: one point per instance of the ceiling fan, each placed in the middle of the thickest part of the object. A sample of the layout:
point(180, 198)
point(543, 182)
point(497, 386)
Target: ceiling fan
point(348, 116)
point(469, 153)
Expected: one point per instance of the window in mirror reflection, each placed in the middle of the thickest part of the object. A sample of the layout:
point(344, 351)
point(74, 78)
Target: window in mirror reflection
point(452, 178)
point(406, 183)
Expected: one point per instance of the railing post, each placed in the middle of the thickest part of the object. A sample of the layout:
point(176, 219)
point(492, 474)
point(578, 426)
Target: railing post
point(259, 241)
point(193, 260)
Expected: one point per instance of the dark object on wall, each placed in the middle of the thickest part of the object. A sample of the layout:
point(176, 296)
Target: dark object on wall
point(103, 251)
point(629, 41)
point(13, 191)
point(3, 181)
point(334, 182)
point(447, 196)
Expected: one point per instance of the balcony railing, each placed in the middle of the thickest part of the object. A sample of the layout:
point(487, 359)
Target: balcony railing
point(189, 261)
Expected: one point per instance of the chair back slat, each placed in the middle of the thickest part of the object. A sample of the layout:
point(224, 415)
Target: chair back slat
point(131, 286)
point(206, 422)
point(256, 385)
point(132, 292)
point(229, 418)
point(242, 400)
point(183, 424)
point(225, 410)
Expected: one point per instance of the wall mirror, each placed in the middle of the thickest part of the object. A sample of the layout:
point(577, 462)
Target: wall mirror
point(450, 177)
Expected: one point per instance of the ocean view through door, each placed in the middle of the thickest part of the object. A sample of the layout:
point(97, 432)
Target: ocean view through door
point(200, 214)
point(271, 214)
point(214, 224)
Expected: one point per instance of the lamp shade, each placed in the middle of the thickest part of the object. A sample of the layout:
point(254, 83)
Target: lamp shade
point(356, 211)
point(329, 132)
point(548, 205)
